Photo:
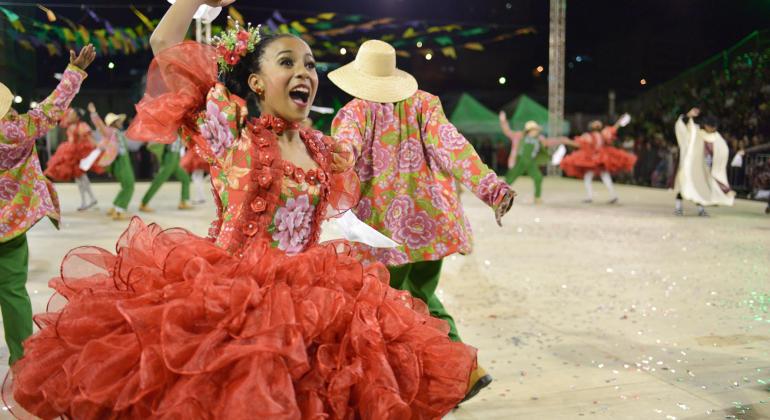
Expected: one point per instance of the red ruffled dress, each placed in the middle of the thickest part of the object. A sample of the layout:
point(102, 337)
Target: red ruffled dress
point(258, 320)
point(192, 161)
point(64, 165)
point(595, 154)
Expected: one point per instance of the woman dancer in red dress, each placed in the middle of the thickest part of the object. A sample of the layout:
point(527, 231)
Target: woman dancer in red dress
point(258, 320)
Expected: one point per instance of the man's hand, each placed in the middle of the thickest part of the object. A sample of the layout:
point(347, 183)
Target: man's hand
point(85, 58)
point(504, 207)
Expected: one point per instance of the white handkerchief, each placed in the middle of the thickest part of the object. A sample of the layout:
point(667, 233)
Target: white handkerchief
point(737, 161)
point(87, 162)
point(205, 12)
point(355, 230)
point(558, 155)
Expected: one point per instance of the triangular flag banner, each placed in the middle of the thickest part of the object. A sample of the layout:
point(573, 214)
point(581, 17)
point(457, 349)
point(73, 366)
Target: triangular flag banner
point(298, 27)
point(49, 14)
point(449, 52)
point(409, 33)
point(147, 22)
point(14, 19)
point(235, 14)
point(327, 16)
point(475, 46)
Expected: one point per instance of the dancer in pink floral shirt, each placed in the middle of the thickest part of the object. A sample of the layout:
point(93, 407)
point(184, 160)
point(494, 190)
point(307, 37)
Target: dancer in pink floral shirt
point(408, 158)
point(26, 195)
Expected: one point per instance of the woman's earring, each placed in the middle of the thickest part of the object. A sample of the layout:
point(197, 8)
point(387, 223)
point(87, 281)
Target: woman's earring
point(259, 91)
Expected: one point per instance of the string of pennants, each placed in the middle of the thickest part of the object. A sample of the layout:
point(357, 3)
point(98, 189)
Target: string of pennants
point(327, 33)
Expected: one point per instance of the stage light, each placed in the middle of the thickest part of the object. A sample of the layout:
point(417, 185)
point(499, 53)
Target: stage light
point(419, 44)
point(579, 59)
point(643, 82)
point(111, 65)
point(33, 104)
point(17, 99)
point(540, 69)
point(428, 56)
point(501, 80)
point(343, 51)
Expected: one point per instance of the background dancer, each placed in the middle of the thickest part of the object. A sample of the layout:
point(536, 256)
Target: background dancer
point(528, 152)
point(595, 155)
point(408, 158)
point(26, 195)
point(703, 159)
point(116, 159)
point(169, 165)
point(64, 165)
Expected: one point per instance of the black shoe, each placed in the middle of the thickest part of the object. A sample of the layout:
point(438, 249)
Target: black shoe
point(702, 213)
point(767, 210)
point(588, 201)
point(480, 379)
point(678, 212)
point(613, 201)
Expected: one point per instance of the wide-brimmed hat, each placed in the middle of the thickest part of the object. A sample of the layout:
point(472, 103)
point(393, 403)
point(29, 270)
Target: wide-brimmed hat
point(373, 75)
point(6, 98)
point(532, 125)
point(112, 118)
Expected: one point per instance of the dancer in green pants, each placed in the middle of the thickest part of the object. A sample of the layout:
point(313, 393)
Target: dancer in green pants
point(26, 195)
point(528, 152)
point(169, 166)
point(115, 157)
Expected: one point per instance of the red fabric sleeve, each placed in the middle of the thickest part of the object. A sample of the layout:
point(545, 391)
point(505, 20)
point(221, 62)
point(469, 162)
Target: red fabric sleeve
point(177, 83)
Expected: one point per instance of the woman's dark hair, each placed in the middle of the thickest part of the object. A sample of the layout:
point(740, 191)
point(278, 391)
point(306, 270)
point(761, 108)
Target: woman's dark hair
point(237, 79)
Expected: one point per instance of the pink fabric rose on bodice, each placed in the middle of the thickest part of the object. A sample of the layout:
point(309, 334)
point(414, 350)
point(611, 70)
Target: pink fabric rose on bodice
point(215, 130)
point(293, 224)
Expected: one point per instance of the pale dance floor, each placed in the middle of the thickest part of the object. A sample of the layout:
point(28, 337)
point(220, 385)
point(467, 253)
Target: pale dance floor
point(579, 311)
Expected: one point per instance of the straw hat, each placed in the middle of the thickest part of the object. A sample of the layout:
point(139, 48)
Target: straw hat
point(532, 125)
point(6, 97)
point(373, 75)
point(112, 118)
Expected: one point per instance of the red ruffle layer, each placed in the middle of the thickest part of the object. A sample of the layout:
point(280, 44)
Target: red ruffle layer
point(64, 165)
point(192, 162)
point(174, 327)
point(608, 158)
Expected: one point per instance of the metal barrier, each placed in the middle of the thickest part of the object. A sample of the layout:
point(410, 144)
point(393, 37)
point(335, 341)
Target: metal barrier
point(743, 179)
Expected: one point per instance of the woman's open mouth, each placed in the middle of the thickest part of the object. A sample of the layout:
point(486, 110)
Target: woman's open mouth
point(300, 95)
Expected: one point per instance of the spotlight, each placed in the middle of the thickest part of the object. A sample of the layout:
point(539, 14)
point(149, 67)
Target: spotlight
point(343, 51)
point(428, 56)
point(502, 80)
point(419, 44)
point(540, 69)
point(111, 65)
point(33, 104)
point(17, 99)
point(643, 82)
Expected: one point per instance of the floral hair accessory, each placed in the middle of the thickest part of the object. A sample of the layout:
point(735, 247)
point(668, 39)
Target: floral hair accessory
point(232, 45)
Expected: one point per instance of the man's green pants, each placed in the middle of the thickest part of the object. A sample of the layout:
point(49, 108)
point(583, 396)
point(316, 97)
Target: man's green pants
point(420, 279)
point(528, 167)
point(14, 299)
point(170, 166)
point(124, 174)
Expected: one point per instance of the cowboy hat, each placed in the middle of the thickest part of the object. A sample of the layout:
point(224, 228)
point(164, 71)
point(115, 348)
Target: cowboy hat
point(532, 125)
point(6, 98)
point(112, 118)
point(373, 75)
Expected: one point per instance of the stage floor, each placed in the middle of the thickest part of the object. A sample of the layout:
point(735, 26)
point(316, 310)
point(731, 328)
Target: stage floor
point(579, 311)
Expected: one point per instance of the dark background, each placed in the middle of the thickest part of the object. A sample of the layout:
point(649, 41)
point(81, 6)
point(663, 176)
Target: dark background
point(619, 42)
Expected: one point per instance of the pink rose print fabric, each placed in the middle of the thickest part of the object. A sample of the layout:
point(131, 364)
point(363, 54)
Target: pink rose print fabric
point(408, 158)
point(26, 195)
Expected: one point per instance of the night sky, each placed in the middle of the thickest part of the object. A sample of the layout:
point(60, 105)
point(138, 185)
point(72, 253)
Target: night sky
point(618, 42)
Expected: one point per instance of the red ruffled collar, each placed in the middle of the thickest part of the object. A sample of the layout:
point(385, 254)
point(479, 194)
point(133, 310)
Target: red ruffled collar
point(277, 124)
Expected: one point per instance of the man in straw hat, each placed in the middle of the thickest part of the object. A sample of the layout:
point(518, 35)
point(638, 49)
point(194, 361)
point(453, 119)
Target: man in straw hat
point(26, 195)
point(528, 149)
point(115, 157)
point(408, 157)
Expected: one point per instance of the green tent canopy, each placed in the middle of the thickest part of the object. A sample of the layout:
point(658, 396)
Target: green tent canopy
point(475, 120)
point(524, 108)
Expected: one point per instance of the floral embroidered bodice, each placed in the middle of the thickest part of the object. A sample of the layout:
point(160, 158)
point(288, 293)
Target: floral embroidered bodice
point(259, 195)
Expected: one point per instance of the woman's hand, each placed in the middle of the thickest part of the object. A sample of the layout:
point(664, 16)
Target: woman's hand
point(85, 58)
point(91, 107)
point(504, 207)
